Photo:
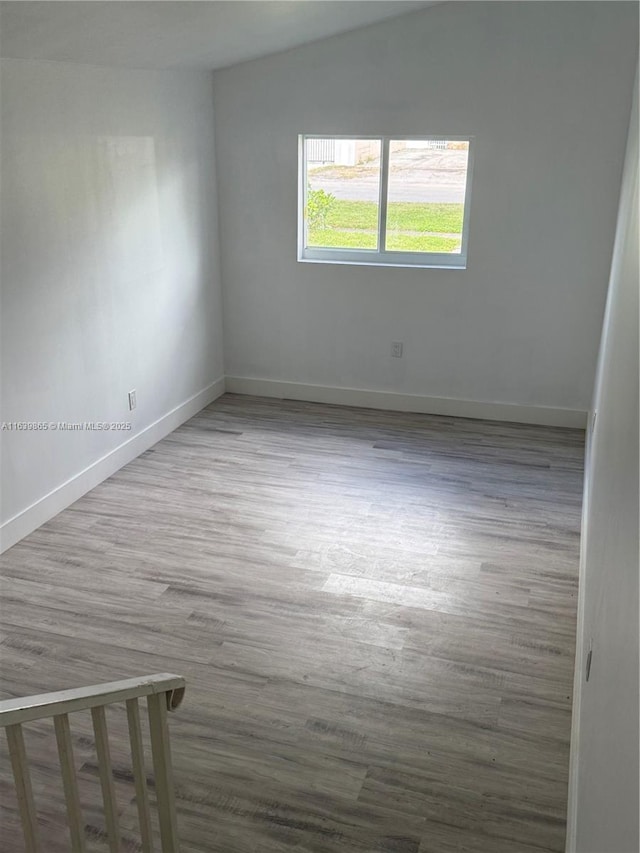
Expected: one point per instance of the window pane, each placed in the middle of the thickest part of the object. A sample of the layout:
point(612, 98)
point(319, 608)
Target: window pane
point(343, 190)
point(425, 204)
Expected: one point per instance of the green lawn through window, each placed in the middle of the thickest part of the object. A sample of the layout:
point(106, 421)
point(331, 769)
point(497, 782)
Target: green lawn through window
point(411, 226)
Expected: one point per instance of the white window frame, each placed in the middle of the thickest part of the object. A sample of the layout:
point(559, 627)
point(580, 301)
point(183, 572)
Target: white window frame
point(380, 256)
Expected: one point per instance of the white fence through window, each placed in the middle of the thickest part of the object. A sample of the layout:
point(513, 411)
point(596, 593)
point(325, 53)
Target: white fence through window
point(321, 150)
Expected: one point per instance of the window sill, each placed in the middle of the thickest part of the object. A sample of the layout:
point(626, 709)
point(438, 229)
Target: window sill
point(461, 265)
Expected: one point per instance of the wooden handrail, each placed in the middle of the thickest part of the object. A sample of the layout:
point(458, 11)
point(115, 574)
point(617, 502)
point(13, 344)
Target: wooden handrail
point(37, 707)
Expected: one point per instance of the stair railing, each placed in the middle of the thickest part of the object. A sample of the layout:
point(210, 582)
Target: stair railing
point(163, 692)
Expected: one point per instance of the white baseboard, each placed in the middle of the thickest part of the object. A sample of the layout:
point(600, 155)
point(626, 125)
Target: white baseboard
point(514, 413)
point(64, 495)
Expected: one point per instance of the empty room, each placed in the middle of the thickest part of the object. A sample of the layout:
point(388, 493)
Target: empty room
point(319, 427)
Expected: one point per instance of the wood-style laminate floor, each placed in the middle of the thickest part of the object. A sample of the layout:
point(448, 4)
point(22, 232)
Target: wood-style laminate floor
point(374, 611)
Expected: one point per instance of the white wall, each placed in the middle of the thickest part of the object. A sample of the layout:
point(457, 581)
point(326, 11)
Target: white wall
point(604, 796)
point(110, 276)
point(545, 88)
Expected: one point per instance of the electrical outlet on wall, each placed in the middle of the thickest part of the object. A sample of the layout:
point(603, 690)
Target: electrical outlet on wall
point(397, 348)
point(132, 400)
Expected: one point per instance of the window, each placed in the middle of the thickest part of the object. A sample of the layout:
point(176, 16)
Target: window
point(382, 200)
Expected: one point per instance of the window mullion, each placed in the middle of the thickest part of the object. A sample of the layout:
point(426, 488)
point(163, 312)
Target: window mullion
point(384, 191)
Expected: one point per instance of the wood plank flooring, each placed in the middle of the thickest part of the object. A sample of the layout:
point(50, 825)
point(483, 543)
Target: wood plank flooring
point(374, 611)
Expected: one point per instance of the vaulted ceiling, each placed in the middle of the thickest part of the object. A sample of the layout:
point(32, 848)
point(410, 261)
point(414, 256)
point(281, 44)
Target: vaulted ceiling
point(151, 34)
